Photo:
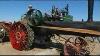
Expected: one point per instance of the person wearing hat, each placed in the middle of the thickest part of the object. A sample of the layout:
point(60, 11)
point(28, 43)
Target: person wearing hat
point(30, 10)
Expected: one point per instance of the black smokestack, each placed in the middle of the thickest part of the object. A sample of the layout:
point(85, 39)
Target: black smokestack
point(90, 10)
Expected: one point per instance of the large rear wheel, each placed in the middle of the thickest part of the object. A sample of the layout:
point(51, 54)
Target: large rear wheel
point(21, 36)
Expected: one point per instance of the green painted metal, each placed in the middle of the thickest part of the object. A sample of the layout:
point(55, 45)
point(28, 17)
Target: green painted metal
point(67, 18)
point(35, 18)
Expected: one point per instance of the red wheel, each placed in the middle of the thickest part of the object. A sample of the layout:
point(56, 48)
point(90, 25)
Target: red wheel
point(19, 37)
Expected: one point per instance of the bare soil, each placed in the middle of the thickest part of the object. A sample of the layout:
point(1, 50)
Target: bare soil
point(7, 49)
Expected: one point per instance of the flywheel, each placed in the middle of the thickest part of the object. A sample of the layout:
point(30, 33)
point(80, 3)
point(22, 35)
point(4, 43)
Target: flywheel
point(21, 36)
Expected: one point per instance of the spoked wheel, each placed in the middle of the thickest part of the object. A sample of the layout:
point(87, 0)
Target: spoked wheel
point(20, 36)
point(4, 29)
point(75, 46)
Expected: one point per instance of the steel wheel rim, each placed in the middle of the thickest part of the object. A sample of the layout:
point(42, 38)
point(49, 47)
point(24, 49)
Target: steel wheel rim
point(18, 36)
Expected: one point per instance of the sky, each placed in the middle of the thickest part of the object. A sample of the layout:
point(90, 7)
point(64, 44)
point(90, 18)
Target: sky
point(13, 10)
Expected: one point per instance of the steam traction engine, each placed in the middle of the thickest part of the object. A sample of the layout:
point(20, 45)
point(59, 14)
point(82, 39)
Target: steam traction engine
point(33, 29)
point(25, 32)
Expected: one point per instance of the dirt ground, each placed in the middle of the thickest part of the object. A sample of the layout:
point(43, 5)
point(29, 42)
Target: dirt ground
point(96, 50)
point(6, 49)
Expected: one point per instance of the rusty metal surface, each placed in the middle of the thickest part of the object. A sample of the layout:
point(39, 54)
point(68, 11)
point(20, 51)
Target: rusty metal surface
point(4, 30)
point(5, 26)
point(75, 24)
point(75, 47)
point(75, 30)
